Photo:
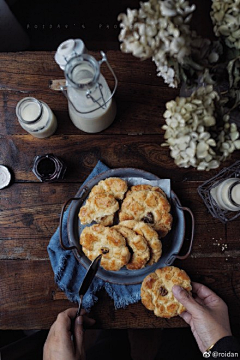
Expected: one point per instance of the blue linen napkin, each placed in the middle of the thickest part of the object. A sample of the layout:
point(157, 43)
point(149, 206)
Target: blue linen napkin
point(68, 273)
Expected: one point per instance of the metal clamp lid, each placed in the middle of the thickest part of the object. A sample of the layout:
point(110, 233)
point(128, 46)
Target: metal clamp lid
point(63, 88)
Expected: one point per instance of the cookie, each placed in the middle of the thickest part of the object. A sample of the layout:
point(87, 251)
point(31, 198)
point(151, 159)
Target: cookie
point(151, 236)
point(98, 239)
point(102, 203)
point(149, 206)
point(100, 208)
point(156, 291)
point(138, 247)
point(114, 186)
point(141, 187)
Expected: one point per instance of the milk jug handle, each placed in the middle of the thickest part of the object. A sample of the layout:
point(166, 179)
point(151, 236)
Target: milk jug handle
point(64, 91)
point(104, 59)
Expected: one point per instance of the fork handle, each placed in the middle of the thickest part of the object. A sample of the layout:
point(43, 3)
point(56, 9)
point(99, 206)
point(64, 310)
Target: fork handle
point(79, 307)
point(77, 314)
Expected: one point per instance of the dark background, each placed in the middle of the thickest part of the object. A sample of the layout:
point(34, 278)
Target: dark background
point(50, 22)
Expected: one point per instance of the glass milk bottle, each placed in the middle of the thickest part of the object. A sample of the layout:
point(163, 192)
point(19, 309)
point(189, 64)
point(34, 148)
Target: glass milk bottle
point(36, 117)
point(227, 194)
point(90, 102)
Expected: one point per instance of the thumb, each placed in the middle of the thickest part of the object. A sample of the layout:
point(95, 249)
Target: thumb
point(78, 335)
point(186, 299)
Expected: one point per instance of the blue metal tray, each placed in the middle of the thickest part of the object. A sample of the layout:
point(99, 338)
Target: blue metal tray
point(171, 244)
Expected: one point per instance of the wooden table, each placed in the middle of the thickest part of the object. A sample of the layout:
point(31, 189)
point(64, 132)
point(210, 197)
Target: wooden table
point(29, 210)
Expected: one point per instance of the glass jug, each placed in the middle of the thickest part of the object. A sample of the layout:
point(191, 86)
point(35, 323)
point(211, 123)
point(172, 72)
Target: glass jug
point(90, 102)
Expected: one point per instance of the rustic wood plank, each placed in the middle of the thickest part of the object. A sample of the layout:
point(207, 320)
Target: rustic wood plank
point(28, 289)
point(29, 210)
point(220, 275)
point(26, 226)
point(81, 153)
point(33, 69)
point(133, 107)
point(233, 232)
point(143, 104)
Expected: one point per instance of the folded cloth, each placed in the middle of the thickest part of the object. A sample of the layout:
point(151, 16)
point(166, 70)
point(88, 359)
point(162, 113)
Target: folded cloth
point(68, 273)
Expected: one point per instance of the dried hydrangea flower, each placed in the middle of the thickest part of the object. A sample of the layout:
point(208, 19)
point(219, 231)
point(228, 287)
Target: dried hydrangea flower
point(225, 17)
point(195, 134)
point(159, 29)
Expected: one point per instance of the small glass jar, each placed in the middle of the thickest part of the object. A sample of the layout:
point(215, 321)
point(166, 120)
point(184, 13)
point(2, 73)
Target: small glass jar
point(36, 117)
point(227, 194)
point(48, 168)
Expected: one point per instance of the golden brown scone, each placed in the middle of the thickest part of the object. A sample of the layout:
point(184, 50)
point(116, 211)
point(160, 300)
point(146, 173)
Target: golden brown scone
point(114, 186)
point(100, 208)
point(98, 239)
point(138, 244)
point(156, 291)
point(106, 220)
point(148, 187)
point(151, 236)
point(149, 206)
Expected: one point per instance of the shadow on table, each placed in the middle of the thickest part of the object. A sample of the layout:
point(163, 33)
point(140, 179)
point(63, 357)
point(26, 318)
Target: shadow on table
point(152, 344)
point(19, 345)
point(134, 344)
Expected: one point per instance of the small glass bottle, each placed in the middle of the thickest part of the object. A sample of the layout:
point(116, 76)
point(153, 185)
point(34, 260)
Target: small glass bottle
point(227, 194)
point(48, 167)
point(36, 117)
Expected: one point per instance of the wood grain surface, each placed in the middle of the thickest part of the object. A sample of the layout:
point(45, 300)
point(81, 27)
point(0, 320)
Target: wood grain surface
point(29, 210)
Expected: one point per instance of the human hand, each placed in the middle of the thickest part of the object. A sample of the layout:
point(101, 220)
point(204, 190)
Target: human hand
point(206, 313)
point(59, 345)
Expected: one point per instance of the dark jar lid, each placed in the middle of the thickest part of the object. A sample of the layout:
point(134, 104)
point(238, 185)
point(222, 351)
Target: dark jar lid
point(48, 168)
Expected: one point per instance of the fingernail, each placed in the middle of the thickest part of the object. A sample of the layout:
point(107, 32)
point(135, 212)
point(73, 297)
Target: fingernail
point(177, 289)
point(79, 320)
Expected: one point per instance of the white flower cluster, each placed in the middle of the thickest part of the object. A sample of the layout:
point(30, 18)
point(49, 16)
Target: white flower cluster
point(159, 29)
point(225, 15)
point(193, 134)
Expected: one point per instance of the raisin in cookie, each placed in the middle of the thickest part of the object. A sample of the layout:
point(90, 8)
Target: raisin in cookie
point(149, 234)
point(114, 186)
point(156, 291)
point(138, 246)
point(97, 239)
point(149, 206)
point(100, 208)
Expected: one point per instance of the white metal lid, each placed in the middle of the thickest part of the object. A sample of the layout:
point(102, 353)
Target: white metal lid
point(67, 49)
point(5, 176)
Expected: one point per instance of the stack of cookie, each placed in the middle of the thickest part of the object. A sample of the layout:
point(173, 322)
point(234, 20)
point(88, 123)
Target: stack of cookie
point(129, 224)
point(102, 203)
point(148, 204)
